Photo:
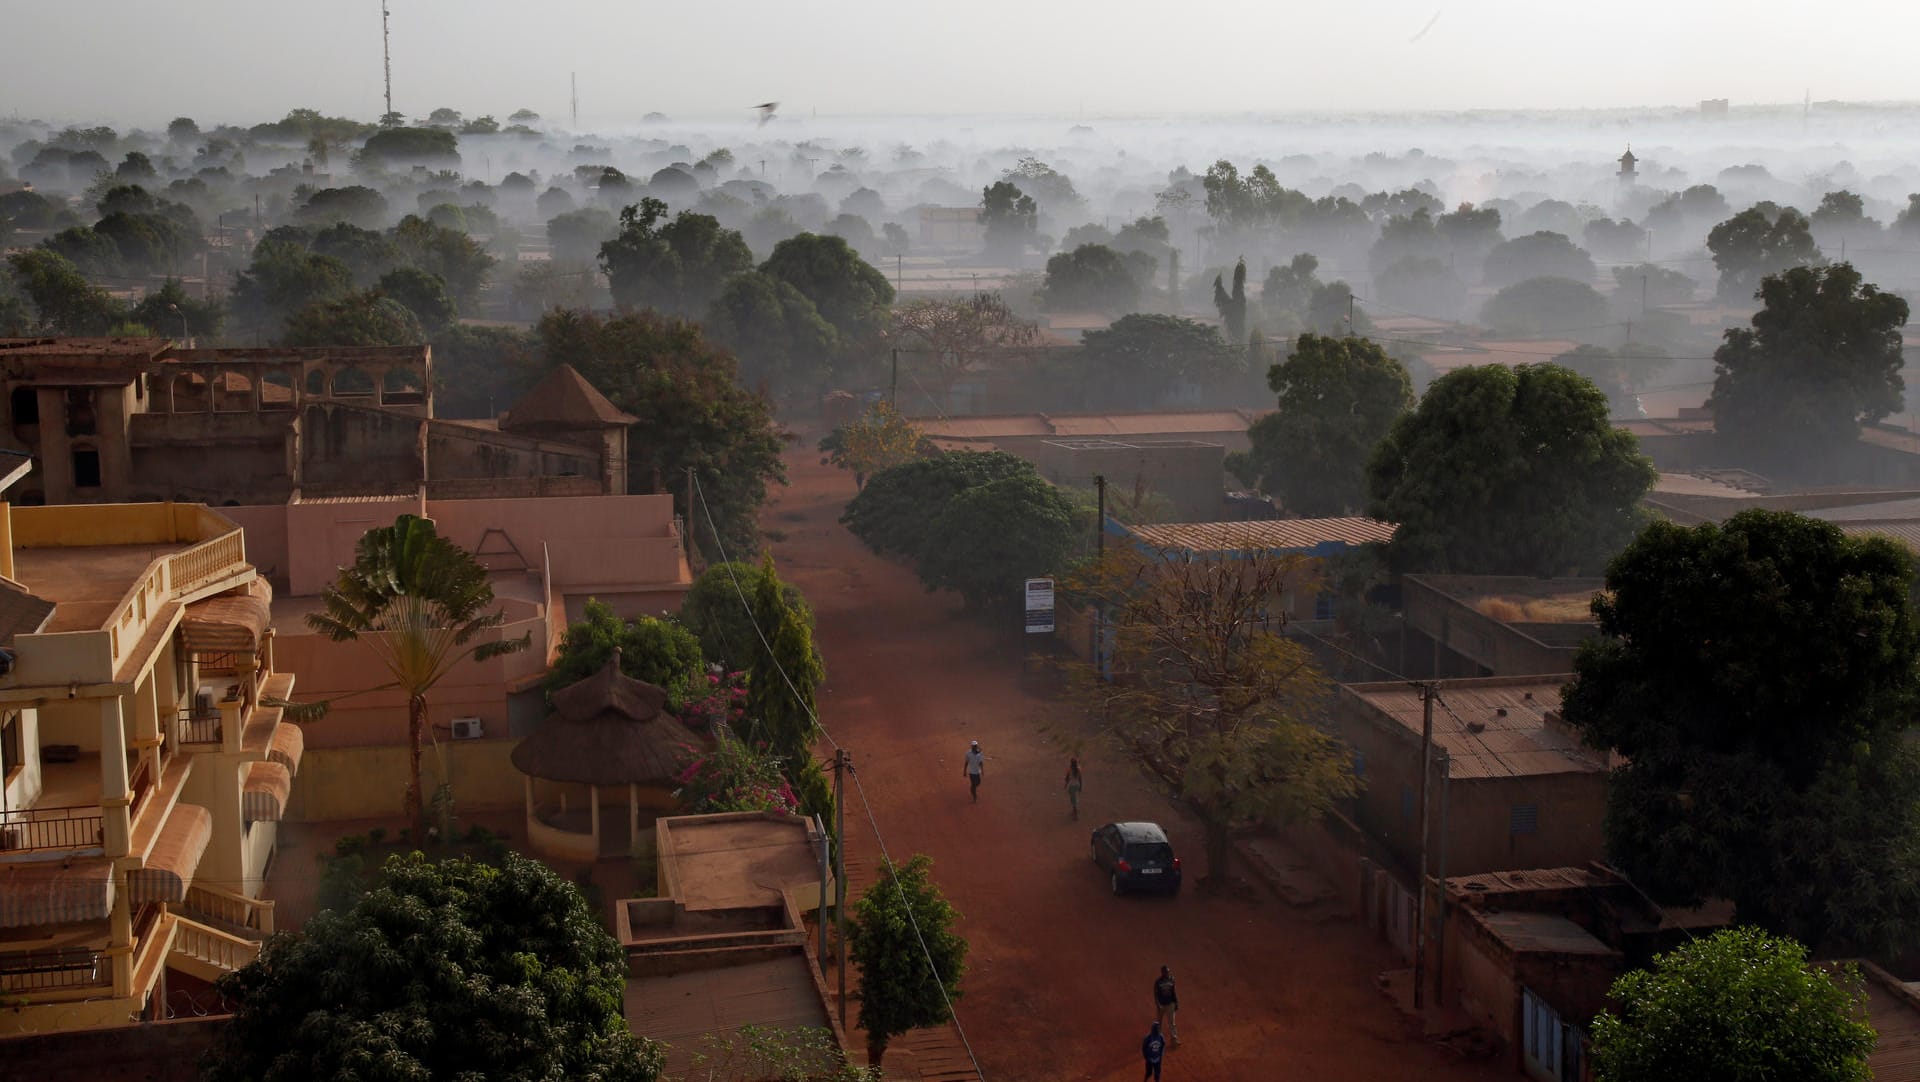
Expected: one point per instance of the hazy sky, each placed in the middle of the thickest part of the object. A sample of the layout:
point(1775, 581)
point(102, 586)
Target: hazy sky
point(142, 62)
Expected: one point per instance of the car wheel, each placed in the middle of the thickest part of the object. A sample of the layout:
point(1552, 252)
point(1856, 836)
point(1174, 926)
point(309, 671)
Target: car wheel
point(1114, 881)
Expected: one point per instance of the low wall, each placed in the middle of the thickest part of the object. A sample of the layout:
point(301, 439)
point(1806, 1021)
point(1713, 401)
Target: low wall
point(149, 1052)
point(364, 782)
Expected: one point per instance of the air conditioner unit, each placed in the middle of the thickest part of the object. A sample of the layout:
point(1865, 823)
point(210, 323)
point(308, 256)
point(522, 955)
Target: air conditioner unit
point(467, 729)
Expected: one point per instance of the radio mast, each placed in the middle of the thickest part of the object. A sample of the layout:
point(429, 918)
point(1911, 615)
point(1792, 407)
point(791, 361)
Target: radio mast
point(386, 58)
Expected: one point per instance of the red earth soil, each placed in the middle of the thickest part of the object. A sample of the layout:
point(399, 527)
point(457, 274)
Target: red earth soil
point(1059, 974)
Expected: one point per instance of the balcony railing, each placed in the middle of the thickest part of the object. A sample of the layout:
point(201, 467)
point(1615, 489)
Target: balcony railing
point(52, 828)
point(52, 970)
point(205, 560)
point(199, 728)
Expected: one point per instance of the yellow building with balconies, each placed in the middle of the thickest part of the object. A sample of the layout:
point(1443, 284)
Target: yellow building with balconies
point(144, 768)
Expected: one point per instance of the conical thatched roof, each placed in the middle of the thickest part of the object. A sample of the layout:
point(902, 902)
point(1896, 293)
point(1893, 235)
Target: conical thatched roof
point(606, 729)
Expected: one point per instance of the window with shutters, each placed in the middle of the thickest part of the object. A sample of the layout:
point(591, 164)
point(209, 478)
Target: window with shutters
point(1523, 819)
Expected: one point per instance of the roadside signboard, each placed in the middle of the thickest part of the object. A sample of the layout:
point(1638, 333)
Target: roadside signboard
point(1039, 606)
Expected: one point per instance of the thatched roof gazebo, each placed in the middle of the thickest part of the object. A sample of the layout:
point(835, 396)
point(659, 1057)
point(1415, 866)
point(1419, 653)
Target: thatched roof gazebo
point(606, 731)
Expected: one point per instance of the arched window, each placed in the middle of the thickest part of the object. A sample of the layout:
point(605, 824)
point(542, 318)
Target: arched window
point(401, 387)
point(276, 389)
point(191, 393)
point(232, 392)
point(317, 383)
point(352, 383)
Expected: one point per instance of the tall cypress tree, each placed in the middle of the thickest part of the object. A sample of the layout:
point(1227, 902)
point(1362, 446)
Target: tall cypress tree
point(1233, 306)
point(781, 688)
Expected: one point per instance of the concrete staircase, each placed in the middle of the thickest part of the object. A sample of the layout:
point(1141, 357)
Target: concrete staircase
point(208, 953)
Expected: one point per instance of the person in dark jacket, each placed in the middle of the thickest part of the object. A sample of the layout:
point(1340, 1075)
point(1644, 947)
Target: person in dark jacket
point(1151, 1050)
point(1166, 1003)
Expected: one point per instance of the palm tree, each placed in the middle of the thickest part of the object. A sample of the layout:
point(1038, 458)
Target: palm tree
point(420, 602)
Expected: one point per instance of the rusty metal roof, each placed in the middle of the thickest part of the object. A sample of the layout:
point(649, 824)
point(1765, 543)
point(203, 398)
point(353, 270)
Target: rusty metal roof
point(1273, 535)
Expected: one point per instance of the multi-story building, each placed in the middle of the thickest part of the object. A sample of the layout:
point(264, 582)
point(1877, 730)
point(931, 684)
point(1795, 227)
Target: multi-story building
point(145, 765)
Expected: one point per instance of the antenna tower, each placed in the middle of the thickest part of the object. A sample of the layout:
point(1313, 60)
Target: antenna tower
point(575, 77)
point(386, 58)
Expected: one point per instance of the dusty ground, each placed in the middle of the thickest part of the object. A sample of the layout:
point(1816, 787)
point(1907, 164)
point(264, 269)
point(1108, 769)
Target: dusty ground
point(1060, 972)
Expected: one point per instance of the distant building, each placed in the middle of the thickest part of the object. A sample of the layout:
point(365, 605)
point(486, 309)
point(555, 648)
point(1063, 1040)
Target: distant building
point(952, 227)
point(1495, 625)
point(1713, 107)
point(1627, 169)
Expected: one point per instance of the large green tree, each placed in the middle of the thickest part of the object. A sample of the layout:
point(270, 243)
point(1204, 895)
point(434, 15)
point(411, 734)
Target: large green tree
point(850, 293)
point(1508, 471)
point(1092, 277)
point(1758, 678)
point(1736, 1006)
point(660, 652)
point(364, 318)
point(676, 267)
point(62, 297)
point(777, 333)
point(1536, 255)
point(717, 609)
point(1560, 307)
point(693, 414)
point(988, 540)
point(1823, 356)
point(910, 958)
point(1339, 397)
point(457, 970)
point(1757, 242)
point(1232, 303)
point(422, 605)
point(1011, 219)
point(894, 513)
point(1140, 359)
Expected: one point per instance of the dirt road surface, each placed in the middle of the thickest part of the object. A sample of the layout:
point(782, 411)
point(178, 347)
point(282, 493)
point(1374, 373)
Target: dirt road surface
point(1060, 972)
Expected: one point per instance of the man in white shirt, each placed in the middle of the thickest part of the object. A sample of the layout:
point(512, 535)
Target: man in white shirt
point(976, 761)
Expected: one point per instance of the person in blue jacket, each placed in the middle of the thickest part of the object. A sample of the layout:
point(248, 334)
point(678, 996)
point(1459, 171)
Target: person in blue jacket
point(1151, 1050)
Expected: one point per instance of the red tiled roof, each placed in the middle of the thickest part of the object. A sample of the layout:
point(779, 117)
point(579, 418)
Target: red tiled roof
point(1283, 534)
point(564, 398)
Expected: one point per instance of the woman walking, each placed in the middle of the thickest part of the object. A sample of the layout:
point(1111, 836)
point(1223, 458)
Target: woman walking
point(1073, 785)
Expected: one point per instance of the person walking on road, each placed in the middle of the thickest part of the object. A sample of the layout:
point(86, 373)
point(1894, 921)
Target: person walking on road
point(1166, 1003)
point(1151, 1050)
point(976, 762)
point(1073, 785)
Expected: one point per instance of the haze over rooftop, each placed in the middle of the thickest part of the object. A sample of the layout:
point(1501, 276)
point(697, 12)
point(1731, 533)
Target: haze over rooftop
point(241, 59)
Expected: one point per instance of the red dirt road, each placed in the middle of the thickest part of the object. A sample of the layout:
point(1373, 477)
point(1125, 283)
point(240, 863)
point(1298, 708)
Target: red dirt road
point(1059, 973)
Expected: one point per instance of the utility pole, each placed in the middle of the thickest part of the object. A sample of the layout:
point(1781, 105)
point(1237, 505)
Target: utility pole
point(1643, 296)
point(386, 57)
point(826, 849)
point(1173, 279)
point(1440, 876)
point(1429, 691)
point(840, 765)
point(899, 271)
point(893, 392)
point(574, 79)
point(1349, 311)
point(686, 539)
point(1100, 547)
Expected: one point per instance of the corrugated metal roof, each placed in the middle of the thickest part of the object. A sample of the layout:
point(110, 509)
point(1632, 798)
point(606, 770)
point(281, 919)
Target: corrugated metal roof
point(1163, 422)
point(1274, 535)
point(1907, 533)
point(1543, 933)
point(1516, 744)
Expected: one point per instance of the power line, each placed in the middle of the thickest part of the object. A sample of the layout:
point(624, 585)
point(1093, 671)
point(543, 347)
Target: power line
point(866, 805)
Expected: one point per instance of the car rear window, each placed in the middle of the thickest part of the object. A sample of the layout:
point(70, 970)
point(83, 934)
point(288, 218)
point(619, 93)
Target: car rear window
point(1150, 853)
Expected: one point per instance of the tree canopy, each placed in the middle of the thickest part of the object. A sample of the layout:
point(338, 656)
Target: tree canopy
point(1091, 278)
point(675, 267)
point(1755, 243)
point(1139, 359)
point(692, 413)
point(1338, 398)
point(849, 293)
point(1218, 704)
point(450, 970)
point(716, 611)
point(778, 334)
point(1823, 357)
point(660, 652)
point(1736, 1006)
point(903, 986)
point(1011, 219)
point(1508, 471)
point(1547, 306)
point(363, 318)
point(1536, 255)
point(1758, 677)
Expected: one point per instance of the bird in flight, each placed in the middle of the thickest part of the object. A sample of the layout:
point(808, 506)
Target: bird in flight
point(766, 111)
point(1424, 29)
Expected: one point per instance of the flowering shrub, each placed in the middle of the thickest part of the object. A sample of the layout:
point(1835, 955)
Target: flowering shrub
point(735, 777)
point(725, 700)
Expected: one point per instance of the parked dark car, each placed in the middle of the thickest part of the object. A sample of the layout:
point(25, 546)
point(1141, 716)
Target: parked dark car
point(1136, 856)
